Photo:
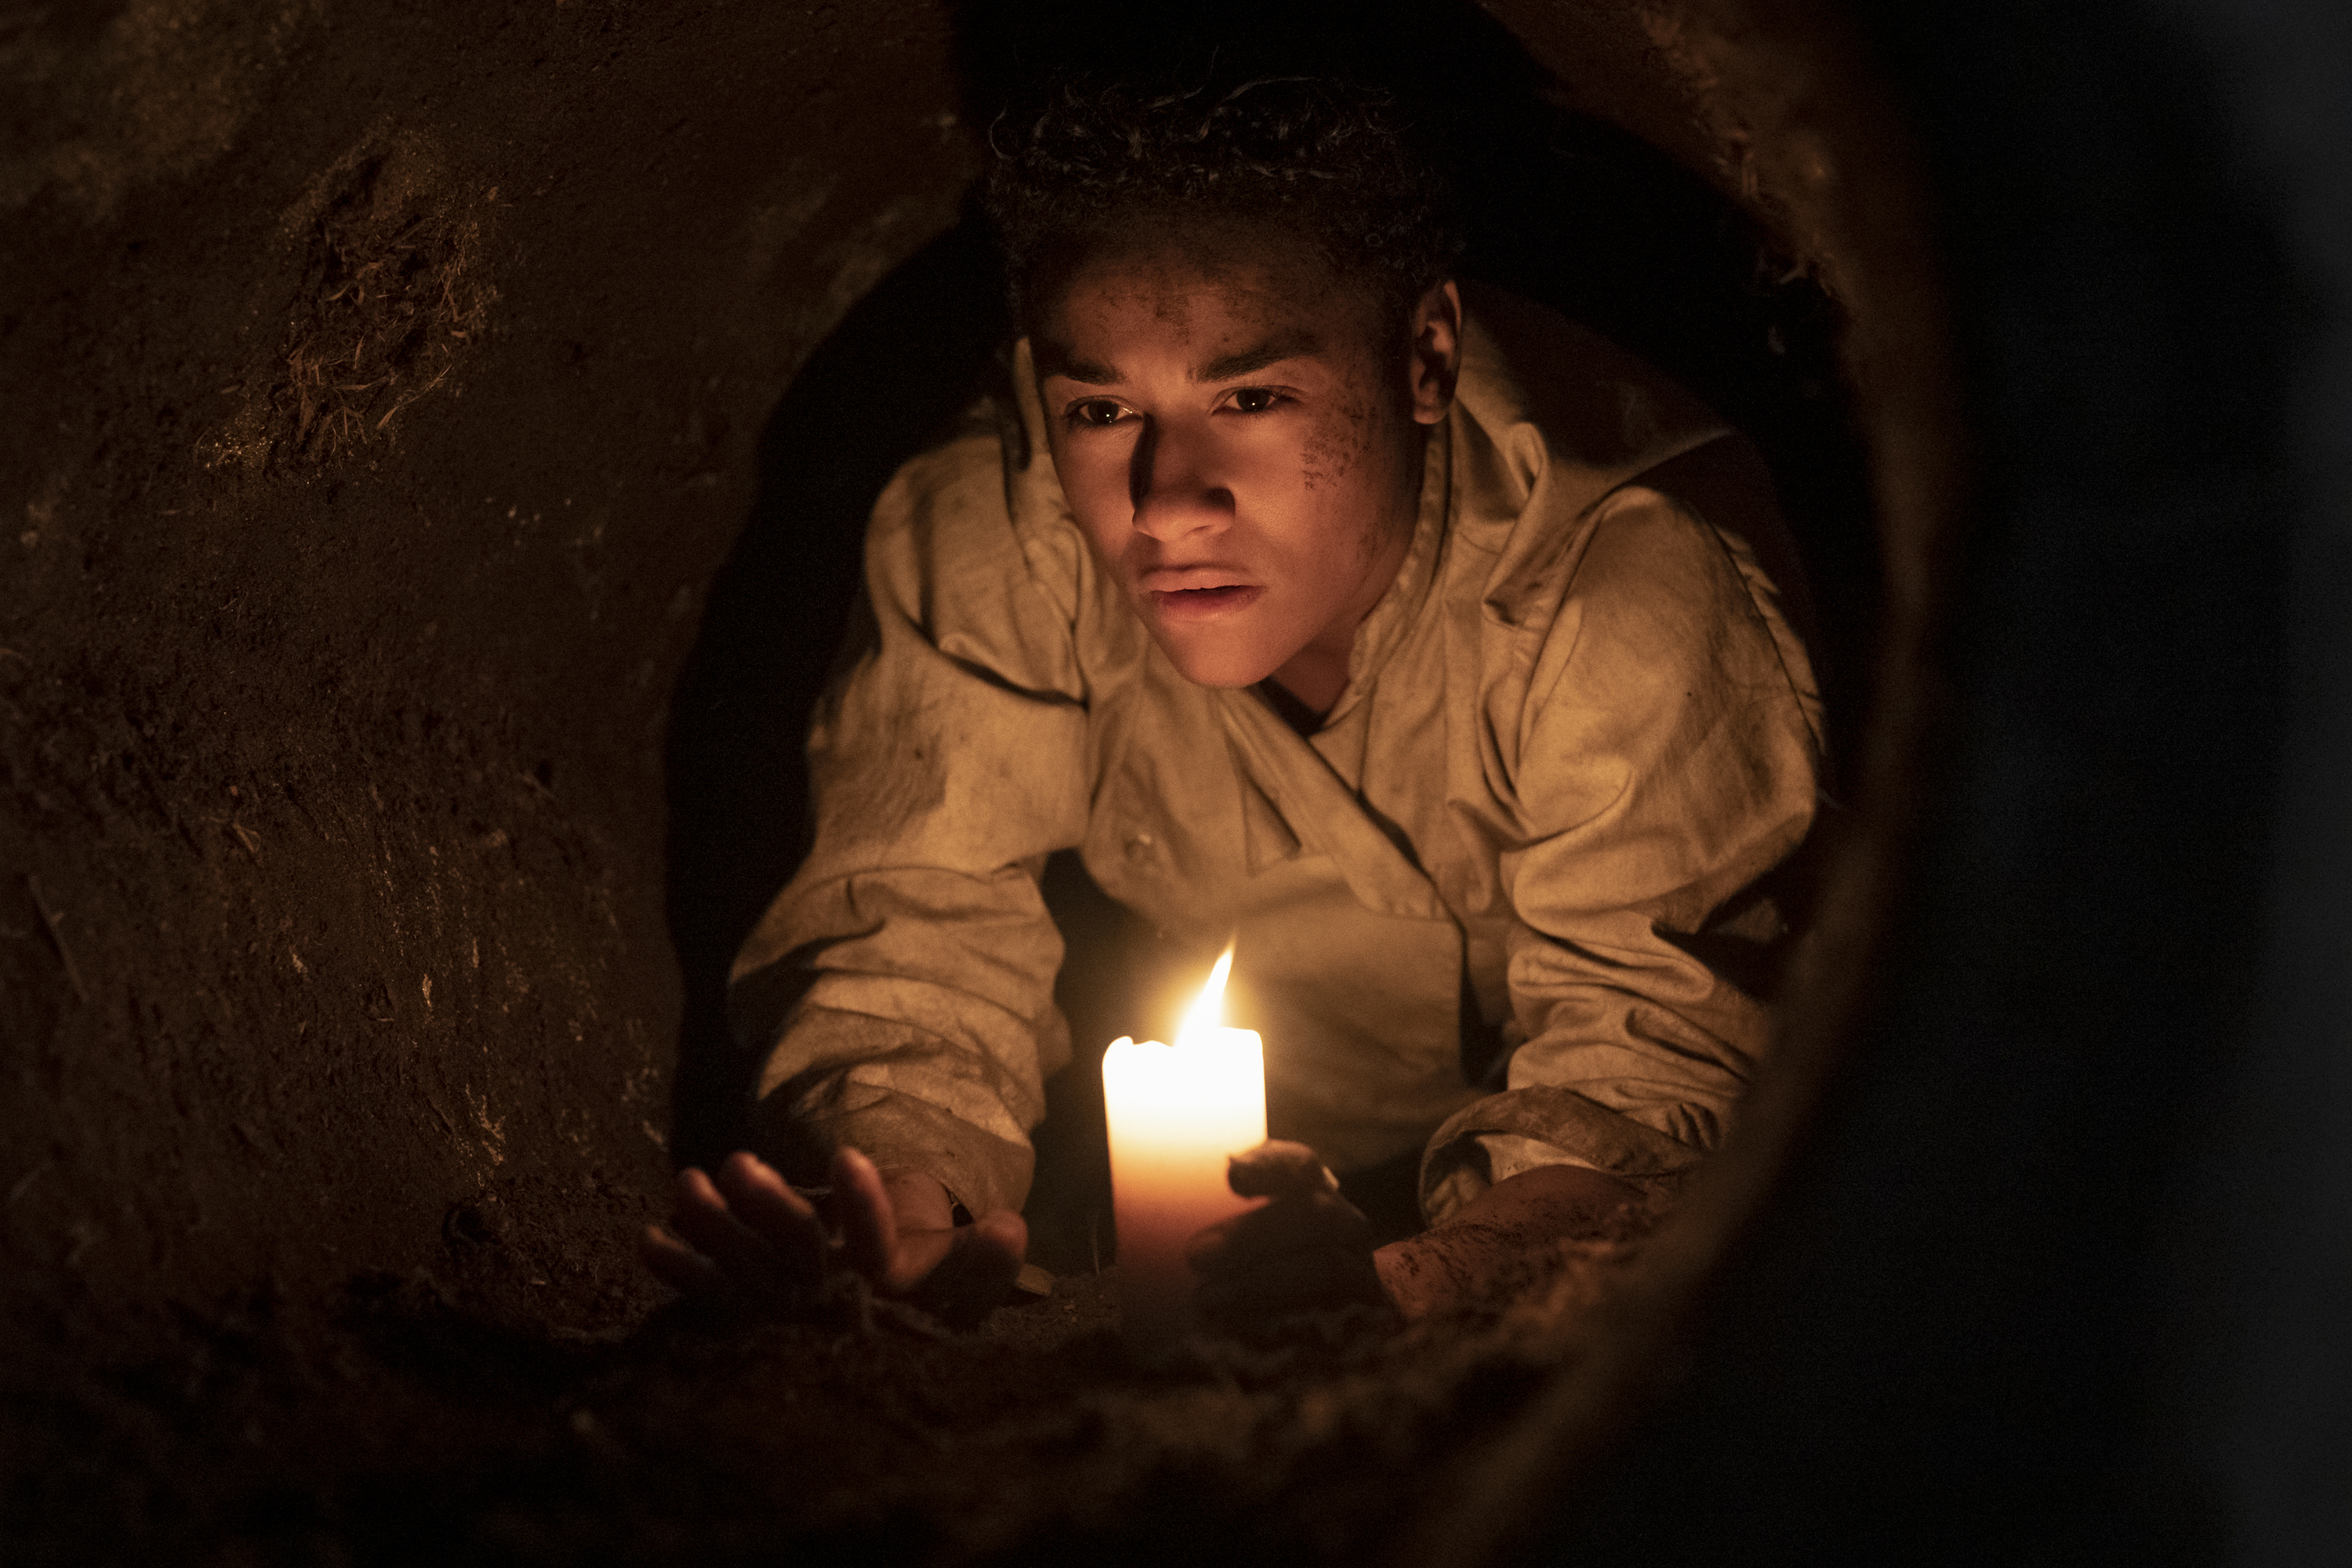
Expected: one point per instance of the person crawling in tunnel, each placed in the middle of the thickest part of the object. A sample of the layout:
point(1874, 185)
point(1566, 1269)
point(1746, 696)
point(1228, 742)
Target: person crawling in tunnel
point(1419, 640)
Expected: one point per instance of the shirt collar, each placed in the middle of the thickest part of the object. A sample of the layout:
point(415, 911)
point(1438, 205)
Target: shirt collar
point(1400, 609)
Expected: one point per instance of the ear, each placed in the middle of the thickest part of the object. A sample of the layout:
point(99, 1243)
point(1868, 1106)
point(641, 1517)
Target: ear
point(1435, 356)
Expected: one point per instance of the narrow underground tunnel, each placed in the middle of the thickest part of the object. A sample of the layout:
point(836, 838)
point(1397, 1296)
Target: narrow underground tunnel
point(446, 442)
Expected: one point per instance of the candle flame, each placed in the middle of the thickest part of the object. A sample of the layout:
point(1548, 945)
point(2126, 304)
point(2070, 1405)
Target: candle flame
point(1208, 1011)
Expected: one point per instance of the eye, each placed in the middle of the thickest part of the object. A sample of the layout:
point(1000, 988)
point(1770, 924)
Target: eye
point(1097, 413)
point(1254, 399)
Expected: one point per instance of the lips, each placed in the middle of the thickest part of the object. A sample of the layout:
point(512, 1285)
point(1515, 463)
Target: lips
point(1204, 604)
point(1189, 579)
point(1199, 593)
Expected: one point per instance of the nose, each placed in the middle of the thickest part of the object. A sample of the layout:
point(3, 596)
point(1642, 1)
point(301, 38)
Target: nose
point(1175, 483)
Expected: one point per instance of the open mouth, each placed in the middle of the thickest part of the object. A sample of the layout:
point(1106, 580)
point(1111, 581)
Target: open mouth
point(1203, 604)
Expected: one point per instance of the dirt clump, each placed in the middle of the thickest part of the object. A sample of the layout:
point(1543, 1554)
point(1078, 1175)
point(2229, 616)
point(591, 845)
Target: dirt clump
point(394, 291)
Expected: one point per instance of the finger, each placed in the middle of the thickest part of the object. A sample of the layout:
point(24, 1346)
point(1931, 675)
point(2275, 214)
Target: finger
point(1324, 1279)
point(920, 1253)
point(982, 1257)
point(1007, 1232)
point(869, 1226)
point(759, 1197)
point(678, 1266)
point(1278, 1169)
point(1324, 1219)
point(979, 1268)
point(1287, 1225)
point(704, 1220)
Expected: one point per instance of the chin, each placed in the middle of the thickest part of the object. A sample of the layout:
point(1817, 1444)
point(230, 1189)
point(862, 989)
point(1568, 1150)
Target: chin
point(1206, 663)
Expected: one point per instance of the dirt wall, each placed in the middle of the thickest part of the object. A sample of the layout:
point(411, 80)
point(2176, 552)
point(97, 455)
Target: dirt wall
point(384, 384)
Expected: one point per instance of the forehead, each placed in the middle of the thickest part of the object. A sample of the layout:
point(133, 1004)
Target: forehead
point(1206, 298)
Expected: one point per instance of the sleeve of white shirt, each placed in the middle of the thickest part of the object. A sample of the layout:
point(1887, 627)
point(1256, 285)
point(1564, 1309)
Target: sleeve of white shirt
point(902, 984)
point(1668, 758)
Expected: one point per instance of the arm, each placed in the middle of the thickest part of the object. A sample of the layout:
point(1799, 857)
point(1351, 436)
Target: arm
point(1306, 1247)
point(1498, 1244)
point(1664, 758)
point(902, 985)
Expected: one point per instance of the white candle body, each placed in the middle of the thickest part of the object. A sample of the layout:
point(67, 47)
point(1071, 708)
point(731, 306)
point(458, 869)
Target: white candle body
point(1175, 1113)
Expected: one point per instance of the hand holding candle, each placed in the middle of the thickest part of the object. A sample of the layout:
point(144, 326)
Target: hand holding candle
point(1304, 1249)
point(1176, 1114)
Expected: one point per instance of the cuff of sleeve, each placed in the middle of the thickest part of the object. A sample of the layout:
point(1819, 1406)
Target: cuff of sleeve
point(1509, 1153)
point(982, 1173)
point(1560, 1124)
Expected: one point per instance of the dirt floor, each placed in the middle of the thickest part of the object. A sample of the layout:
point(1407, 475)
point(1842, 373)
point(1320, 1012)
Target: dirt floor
point(412, 1428)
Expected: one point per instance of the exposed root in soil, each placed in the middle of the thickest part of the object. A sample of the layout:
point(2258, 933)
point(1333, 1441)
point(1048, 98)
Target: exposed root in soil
point(396, 293)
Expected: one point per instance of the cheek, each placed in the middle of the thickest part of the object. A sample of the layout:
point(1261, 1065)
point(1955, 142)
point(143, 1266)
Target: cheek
point(1094, 482)
point(1351, 467)
point(1335, 450)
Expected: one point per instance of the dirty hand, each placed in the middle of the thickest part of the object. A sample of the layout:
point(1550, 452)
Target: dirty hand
point(747, 1234)
point(1307, 1248)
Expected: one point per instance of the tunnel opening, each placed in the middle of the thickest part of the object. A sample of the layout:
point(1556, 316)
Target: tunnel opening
point(464, 424)
point(437, 1341)
point(1566, 208)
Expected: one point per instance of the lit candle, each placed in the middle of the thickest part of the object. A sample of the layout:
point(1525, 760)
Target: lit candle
point(1176, 1113)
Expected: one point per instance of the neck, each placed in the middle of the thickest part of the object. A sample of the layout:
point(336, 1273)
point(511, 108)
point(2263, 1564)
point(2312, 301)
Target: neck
point(1316, 675)
point(1303, 720)
point(1313, 681)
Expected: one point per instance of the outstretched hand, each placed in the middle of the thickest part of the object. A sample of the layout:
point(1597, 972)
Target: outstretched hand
point(747, 1234)
point(1305, 1249)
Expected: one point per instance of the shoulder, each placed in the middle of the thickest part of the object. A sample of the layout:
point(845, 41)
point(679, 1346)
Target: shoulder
point(1560, 408)
point(1621, 543)
point(1656, 618)
point(1660, 693)
point(972, 546)
point(952, 493)
point(1649, 593)
point(1551, 419)
point(962, 511)
point(985, 498)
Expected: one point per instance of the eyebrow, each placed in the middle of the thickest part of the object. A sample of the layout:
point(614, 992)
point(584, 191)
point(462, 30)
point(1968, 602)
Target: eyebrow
point(1053, 359)
point(1273, 351)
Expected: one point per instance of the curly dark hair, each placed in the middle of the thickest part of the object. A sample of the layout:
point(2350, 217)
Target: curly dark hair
point(1344, 165)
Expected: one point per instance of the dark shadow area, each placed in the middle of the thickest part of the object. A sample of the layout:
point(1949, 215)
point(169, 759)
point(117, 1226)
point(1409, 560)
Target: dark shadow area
point(1562, 207)
point(908, 356)
point(1999, 1329)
